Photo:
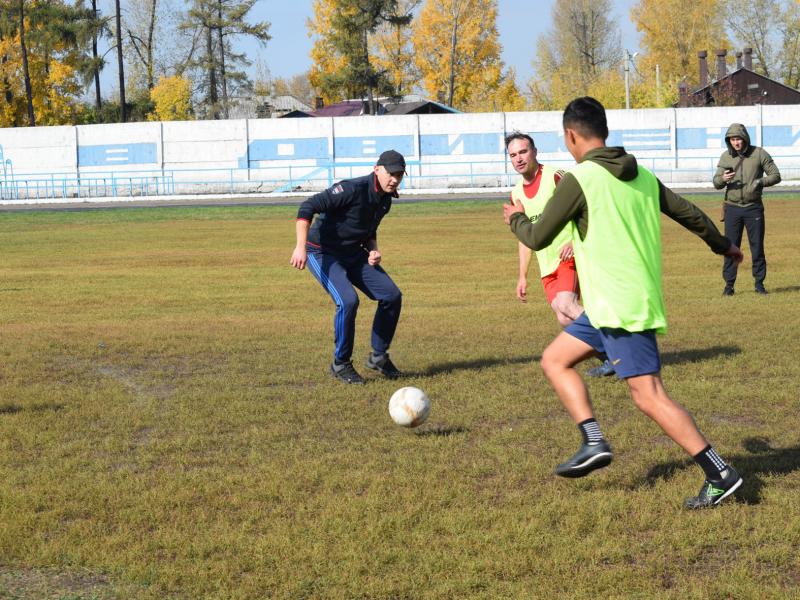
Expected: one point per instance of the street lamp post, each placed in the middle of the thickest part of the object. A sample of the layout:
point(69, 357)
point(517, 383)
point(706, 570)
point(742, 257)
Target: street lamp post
point(628, 60)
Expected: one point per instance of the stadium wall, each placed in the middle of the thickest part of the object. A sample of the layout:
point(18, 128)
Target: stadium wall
point(281, 156)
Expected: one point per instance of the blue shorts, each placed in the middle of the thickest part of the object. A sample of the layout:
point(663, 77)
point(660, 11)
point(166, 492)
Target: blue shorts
point(631, 354)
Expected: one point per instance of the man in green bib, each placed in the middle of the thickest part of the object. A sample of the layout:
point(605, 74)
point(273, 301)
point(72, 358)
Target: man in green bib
point(615, 205)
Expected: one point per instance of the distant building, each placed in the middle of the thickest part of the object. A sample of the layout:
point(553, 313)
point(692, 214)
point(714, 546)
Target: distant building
point(405, 105)
point(741, 87)
point(267, 107)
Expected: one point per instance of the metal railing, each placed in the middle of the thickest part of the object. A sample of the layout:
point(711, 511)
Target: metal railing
point(277, 180)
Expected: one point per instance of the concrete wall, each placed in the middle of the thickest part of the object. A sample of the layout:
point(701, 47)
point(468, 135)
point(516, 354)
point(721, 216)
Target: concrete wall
point(443, 151)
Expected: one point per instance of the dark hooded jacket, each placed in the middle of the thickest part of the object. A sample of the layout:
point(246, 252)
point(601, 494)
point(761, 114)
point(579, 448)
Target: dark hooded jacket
point(754, 170)
point(569, 204)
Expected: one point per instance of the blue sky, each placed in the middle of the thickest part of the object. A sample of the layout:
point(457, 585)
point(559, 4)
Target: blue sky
point(519, 22)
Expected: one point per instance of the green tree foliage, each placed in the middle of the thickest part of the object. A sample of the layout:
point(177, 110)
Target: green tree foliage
point(41, 62)
point(346, 31)
point(218, 23)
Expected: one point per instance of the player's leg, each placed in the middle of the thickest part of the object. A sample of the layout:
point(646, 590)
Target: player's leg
point(378, 286)
point(721, 479)
point(637, 360)
point(734, 225)
point(332, 275)
point(754, 222)
point(575, 344)
point(567, 307)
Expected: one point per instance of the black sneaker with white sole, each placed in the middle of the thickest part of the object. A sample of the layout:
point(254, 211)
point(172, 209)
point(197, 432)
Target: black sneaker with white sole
point(715, 491)
point(383, 365)
point(589, 457)
point(346, 372)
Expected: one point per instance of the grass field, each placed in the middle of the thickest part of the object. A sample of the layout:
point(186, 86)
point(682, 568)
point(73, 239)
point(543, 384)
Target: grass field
point(168, 428)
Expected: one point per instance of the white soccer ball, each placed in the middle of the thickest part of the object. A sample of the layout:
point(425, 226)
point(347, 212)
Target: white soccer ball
point(409, 407)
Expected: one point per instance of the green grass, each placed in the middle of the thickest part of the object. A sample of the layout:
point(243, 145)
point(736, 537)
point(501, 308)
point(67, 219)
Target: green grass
point(168, 428)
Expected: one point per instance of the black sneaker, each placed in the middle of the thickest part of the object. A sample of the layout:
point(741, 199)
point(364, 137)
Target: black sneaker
point(383, 365)
point(346, 372)
point(760, 289)
point(589, 457)
point(606, 369)
point(728, 291)
point(713, 492)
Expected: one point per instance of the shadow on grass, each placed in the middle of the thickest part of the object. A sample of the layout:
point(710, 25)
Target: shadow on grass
point(760, 459)
point(10, 409)
point(472, 365)
point(786, 288)
point(441, 431)
point(689, 356)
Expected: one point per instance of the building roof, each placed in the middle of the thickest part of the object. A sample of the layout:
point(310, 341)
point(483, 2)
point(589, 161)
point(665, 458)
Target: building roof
point(421, 107)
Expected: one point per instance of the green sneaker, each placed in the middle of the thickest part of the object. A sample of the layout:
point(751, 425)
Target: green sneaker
point(715, 491)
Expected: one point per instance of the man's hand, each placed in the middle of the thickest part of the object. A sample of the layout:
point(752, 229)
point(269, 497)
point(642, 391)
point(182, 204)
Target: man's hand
point(734, 253)
point(299, 258)
point(509, 210)
point(374, 258)
point(522, 289)
point(566, 252)
point(727, 176)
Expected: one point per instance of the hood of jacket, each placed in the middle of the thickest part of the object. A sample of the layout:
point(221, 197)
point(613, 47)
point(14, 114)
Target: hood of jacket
point(737, 130)
point(615, 160)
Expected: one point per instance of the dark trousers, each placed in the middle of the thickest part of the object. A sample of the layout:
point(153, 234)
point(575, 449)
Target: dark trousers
point(737, 219)
point(340, 275)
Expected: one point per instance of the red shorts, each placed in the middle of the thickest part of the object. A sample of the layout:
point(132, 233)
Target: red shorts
point(563, 279)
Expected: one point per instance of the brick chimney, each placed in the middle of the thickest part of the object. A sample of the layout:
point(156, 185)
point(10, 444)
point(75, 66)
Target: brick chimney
point(703, 68)
point(748, 59)
point(738, 60)
point(683, 94)
point(721, 67)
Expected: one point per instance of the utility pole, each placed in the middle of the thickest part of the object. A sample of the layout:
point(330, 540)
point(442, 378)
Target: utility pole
point(627, 80)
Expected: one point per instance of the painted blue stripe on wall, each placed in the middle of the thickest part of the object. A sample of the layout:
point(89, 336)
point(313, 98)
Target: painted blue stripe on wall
point(117, 154)
point(780, 135)
point(361, 147)
point(548, 141)
point(289, 149)
point(443, 144)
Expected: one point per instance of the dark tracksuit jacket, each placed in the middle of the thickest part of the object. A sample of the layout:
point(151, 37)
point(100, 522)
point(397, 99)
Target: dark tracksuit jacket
point(349, 215)
point(569, 204)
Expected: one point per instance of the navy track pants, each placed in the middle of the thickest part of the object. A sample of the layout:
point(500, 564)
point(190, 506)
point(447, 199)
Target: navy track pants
point(340, 275)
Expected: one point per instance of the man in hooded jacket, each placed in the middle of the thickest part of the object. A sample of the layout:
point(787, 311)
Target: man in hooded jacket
point(744, 170)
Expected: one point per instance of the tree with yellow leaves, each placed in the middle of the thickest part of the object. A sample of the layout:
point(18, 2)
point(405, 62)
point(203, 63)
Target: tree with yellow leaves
point(578, 55)
point(674, 31)
point(172, 97)
point(457, 53)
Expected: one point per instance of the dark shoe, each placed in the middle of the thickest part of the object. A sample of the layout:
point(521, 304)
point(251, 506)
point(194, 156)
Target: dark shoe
point(714, 492)
point(383, 365)
point(604, 370)
point(728, 291)
point(346, 372)
point(761, 290)
point(588, 458)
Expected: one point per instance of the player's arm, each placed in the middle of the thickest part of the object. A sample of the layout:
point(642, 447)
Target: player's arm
point(300, 256)
point(772, 175)
point(720, 179)
point(685, 213)
point(371, 246)
point(567, 204)
point(525, 255)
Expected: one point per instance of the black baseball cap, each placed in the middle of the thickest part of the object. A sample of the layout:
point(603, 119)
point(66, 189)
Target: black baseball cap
point(392, 161)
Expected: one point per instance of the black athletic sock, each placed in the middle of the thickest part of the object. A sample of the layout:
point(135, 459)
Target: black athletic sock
point(711, 463)
point(590, 431)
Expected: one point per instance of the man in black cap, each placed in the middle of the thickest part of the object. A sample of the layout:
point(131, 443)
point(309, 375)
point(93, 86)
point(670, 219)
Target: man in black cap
point(341, 251)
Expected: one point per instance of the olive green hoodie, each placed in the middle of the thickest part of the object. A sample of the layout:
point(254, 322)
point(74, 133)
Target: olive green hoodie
point(753, 167)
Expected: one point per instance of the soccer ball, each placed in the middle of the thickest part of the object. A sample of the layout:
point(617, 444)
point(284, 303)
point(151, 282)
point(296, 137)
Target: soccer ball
point(409, 407)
